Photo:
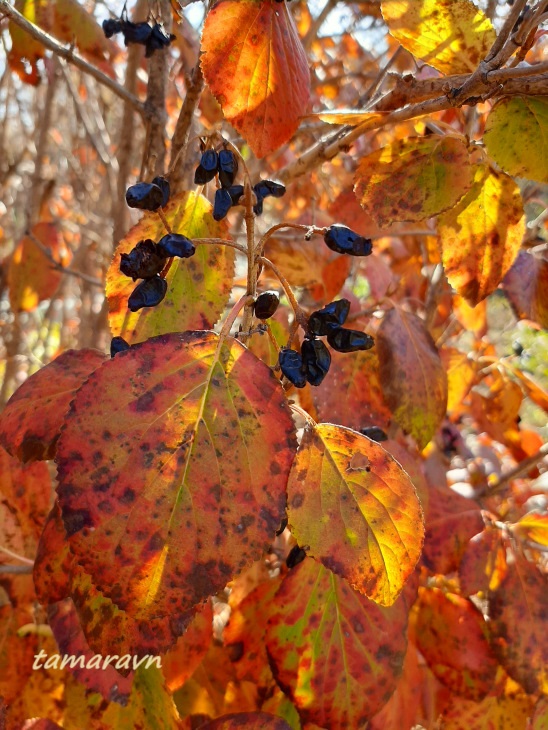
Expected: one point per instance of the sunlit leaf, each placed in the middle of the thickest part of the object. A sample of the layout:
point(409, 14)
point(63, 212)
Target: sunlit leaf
point(413, 179)
point(172, 469)
point(516, 136)
point(31, 276)
point(356, 509)
point(413, 378)
point(16, 652)
point(534, 527)
point(540, 717)
point(517, 612)
point(453, 36)
point(53, 562)
point(198, 287)
point(483, 563)
point(348, 116)
point(461, 373)
point(526, 285)
point(498, 411)
point(182, 659)
point(25, 51)
point(463, 660)
point(255, 65)
point(251, 720)
point(337, 654)
point(537, 394)
point(503, 713)
point(31, 422)
point(481, 236)
point(73, 24)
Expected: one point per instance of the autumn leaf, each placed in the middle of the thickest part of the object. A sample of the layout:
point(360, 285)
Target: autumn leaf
point(526, 286)
point(463, 660)
point(413, 179)
point(337, 654)
point(349, 116)
point(413, 378)
point(483, 563)
point(32, 419)
point(25, 51)
point(31, 276)
point(254, 63)
point(248, 720)
point(179, 663)
point(453, 36)
point(53, 562)
point(172, 470)
point(198, 287)
point(534, 527)
point(481, 236)
point(516, 134)
point(516, 610)
point(461, 373)
point(356, 509)
point(503, 713)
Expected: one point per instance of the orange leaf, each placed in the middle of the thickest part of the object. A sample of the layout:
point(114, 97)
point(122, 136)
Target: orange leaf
point(181, 660)
point(463, 660)
point(461, 373)
point(414, 178)
point(31, 276)
point(255, 65)
point(249, 720)
point(503, 713)
point(356, 509)
point(533, 527)
point(484, 563)
point(413, 378)
point(31, 422)
point(526, 285)
point(172, 470)
point(481, 236)
point(337, 654)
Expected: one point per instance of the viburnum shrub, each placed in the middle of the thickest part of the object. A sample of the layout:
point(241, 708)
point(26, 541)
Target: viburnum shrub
point(255, 484)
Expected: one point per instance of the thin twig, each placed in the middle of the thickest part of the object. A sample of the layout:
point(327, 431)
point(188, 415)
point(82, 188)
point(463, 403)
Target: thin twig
point(9, 552)
point(69, 55)
point(179, 142)
point(59, 267)
point(521, 469)
point(16, 569)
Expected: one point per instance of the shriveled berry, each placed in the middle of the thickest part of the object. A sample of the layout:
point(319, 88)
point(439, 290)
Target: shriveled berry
point(266, 304)
point(275, 189)
point(145, 196)
point(157, 39)
point(296, 556)
point(291, 364)
point(331, 317)
point(282, 526)
point(316, 360)
point(136, 32)
point(143, 261)
point(207, 169)
point(174, 244)
point(344, 340)
point(227, 167)
point(221, 204)
point(163, 184)
point(111, 27)
point(343, 240)
point(118, 344)
point(264, 189)
point(148, 293)
point(374, 433)
point(235, 192)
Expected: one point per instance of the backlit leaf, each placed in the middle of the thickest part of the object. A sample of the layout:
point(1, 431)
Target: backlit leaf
point(352, 394)
point(248, 720)
point(198, 287)
point(25, 51)
point(526, 285)
point(75, 25)
point(461, 373)
point(516, 136)
point(483, 563)
point(255, 65)
point(356, 509)
point(517, 612)
point(53, 562)
point(502, 713)
point(31, 422)
point(534, 527)
point(181, 660)
point(481, 236)
point(413, 179)
point(413, 378)
point(31, 276)
point(348, 116)
point(453, 36)
point(172, 469)
point(336, 653)
point(463, 660)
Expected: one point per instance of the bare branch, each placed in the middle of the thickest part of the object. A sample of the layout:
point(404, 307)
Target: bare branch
point(179, 143)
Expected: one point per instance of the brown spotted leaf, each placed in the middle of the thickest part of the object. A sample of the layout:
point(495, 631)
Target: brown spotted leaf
point(484, 563)
point(31, 422)
point(172, 470)
point(254, 63)
point(247, 721)
point(517, 612)
point(336, 654)
point(181, 660)
point(463, 660)
point(356, 509)
point(526, 286)
point(54, 561)
point(198, 287)
point(414, 178)
point(481, 236)
point(502, 713)
point(413, 378)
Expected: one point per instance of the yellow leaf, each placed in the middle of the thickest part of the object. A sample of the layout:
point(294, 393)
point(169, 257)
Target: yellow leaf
point(450, 35)
point(348, 116)
point(481, 236)
point(460, 375)
point(533, 527)
point(516, 136)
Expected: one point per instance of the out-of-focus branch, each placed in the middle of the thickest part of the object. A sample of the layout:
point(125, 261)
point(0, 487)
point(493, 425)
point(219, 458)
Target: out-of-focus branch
point(179, 143)
point(69, 55)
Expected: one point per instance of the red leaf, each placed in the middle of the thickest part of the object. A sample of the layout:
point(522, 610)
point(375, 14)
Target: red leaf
point(248, 721)
point(255, 65)
point(32, 419)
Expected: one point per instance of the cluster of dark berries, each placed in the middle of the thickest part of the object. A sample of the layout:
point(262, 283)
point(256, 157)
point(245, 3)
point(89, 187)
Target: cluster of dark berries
point(147, 259)
point(343, 240)
point(150, 36)
point(314, 360)
point(225, 164)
